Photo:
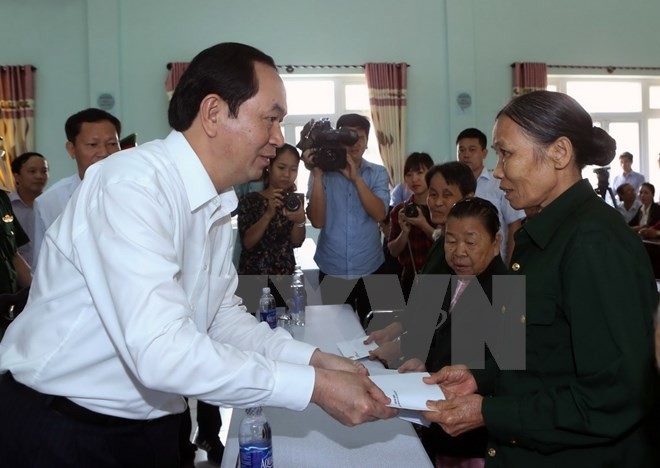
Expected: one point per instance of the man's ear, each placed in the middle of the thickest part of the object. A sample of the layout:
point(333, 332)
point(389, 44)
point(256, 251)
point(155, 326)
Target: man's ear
point(70, 149)
point(561, 152)
point(212, 110)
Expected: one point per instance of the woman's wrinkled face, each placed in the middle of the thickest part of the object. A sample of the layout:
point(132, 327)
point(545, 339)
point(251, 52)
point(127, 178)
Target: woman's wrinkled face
point(442, 196)
point(469, 247)
point(526, 175)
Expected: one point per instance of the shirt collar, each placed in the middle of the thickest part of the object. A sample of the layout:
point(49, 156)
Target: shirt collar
point(14, 196)
point(542, 226)
point(485, 174)
point(366, 165)
point(198, 184)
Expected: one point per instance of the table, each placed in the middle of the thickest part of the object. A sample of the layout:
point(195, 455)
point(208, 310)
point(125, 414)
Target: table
point(311, 438)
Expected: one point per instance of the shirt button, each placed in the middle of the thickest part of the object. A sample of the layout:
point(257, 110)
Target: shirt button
point(515, 267)
point(205, 267)
point(491, 452)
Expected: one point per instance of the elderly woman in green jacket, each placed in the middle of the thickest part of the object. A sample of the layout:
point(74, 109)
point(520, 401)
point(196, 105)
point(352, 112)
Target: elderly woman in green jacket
point(583, 398)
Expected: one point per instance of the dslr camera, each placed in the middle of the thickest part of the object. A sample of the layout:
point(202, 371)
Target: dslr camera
point(410, 210)
point(292, 201)
point(326, 144)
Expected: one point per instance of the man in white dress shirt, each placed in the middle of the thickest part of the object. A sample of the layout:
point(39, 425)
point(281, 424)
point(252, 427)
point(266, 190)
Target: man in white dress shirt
point(92, 135)
point(133, 305)
point(472, 149)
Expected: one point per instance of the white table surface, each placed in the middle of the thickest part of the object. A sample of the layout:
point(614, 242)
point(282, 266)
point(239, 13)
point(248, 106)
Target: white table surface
point(311, 438)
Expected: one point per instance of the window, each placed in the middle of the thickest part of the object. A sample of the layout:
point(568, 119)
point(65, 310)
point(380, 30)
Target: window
point(628, 107)
point(325, 96)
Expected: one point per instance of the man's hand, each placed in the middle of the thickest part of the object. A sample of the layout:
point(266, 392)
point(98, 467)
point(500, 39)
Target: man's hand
point(454, 381)
point(350, 398)
point(351, 171)
point(330, 361)
point(457, 415)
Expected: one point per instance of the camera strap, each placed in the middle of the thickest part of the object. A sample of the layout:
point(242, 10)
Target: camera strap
point(412, 257)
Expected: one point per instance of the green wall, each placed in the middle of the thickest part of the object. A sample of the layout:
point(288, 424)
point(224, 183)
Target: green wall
point(83, 48)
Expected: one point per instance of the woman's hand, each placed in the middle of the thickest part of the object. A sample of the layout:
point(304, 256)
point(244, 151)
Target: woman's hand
point(454, 381)
point(648, 233)
point(389, 333)
point(457, 415)
point(412, 365)
point(296, 217)
point(387, 353)
point(275, 201)
point(403, 222)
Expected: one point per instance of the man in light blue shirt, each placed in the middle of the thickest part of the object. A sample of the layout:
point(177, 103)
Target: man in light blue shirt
point(400, 194)
point(347, 205)
point(629, 176)
point(472, 149)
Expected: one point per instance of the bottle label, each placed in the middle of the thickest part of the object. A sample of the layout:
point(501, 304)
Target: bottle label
point(269, 316)
point(256, 455)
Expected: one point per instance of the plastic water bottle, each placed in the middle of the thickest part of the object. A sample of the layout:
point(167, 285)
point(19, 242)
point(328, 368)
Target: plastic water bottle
point(298, 298)
point(267, 308)
point(255, 440)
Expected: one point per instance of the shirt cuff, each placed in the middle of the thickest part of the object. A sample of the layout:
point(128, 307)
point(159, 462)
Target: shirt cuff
point(293, 387)
point(296, 352)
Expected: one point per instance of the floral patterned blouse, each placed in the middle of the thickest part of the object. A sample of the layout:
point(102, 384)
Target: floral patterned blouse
point(273, 254)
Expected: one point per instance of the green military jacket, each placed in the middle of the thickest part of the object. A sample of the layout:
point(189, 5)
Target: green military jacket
point(12, 236)
point(435, 262)
point(590, 299)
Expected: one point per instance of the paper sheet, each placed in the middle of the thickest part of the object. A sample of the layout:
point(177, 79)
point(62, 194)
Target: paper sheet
point(356, 349)
point(407, 390)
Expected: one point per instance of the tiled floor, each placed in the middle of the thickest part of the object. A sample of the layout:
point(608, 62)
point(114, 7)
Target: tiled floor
point(200, 455)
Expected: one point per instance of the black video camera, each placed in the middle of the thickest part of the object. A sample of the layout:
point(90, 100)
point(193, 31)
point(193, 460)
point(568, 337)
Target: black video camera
point(292, 201)
point(410, 210)
point(603, 175)
point(326, 144)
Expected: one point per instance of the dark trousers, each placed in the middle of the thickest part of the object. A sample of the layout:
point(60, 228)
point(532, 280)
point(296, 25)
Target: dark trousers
point(209, 423)
point(34, 434)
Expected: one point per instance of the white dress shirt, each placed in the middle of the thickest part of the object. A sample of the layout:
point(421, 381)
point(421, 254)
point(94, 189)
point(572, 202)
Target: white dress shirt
point(47, 207)
point(133, 303)
point(628, 215)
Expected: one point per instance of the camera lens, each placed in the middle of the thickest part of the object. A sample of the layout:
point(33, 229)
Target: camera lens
point(410, 210)
point(292, 202)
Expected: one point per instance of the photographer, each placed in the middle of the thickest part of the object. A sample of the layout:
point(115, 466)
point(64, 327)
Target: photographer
point(411, 234)
point(347, 205)
point(272, 222)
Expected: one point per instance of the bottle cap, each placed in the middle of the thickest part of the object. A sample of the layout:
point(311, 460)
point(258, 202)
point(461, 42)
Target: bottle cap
point(265, 290)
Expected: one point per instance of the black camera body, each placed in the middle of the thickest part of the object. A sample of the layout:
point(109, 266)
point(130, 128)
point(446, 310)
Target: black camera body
point(603, 175)
point(292, 201)
point(410, 210)
point(326, 144)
